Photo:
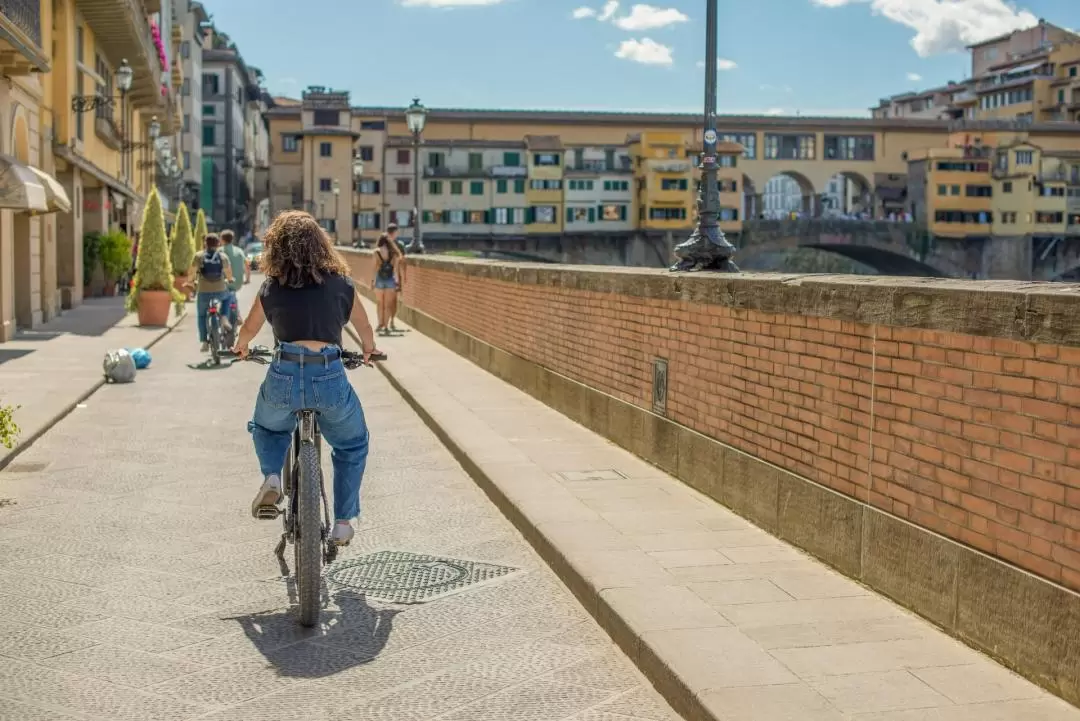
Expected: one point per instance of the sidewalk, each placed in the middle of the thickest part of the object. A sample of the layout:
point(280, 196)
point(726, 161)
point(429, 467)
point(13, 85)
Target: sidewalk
point(135, 586)
point(49, 370)
point(727, 621)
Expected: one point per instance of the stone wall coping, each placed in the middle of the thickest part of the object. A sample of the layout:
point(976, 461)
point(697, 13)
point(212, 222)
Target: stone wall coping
point(1033, 311)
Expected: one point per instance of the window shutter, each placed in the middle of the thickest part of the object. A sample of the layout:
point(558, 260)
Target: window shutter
point(378, 221)
point(592, 215)
point(569, 215)
point(500, 186)
point(530, 215)
point(622, 212)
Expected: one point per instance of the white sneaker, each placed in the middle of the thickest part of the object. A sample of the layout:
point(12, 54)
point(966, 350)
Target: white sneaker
point(342, 533)
point(204, 346)
point(269, 495)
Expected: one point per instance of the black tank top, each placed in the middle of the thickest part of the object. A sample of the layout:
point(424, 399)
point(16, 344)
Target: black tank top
point(313, 312)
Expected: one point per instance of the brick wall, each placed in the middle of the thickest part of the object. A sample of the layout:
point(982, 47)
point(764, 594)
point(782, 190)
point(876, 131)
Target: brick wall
point(968, 425)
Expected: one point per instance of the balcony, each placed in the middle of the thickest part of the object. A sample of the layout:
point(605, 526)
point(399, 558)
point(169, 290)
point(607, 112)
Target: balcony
point(445, 172)
point(965, 97)
point(122, 28)
point(508, 171)
point(20, 38)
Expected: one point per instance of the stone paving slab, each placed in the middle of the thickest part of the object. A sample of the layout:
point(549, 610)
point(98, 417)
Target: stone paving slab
point(728, 621)
point(48, 370)
point(135, 585)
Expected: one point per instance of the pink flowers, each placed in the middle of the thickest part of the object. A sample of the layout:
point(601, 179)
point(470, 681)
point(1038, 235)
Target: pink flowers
point(156, 34)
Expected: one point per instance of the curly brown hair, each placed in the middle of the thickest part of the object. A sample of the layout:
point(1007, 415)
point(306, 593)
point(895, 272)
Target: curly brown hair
point(297, 252)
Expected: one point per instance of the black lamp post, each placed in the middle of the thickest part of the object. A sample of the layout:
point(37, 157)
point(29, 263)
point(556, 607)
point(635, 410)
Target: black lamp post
point(415, 117)
point(707, 248)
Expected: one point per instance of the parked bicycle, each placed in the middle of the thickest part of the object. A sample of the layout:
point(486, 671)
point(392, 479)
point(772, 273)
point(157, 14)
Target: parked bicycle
point(304, 499)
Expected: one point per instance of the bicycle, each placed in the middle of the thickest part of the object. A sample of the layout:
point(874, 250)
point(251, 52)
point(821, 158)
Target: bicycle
point(304, 492)
point(220, 332)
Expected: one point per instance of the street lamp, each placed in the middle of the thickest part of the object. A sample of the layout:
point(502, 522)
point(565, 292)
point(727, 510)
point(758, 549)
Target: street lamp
point(707, 248)
point(124, 75)
point(358, 173)
point(415, 118)
point(336, 190)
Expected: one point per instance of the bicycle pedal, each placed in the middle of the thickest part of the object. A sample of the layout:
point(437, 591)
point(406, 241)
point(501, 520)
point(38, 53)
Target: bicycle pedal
point(267, 513)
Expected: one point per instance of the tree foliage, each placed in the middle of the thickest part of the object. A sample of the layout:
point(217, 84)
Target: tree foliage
point(153, 268)
point(200, 230)
point(182, 247)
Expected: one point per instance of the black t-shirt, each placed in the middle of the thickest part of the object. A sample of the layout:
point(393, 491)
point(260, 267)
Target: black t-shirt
point(314, 312)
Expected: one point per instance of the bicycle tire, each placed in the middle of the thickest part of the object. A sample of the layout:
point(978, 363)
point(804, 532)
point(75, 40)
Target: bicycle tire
point(215, 343)
point(308, 538)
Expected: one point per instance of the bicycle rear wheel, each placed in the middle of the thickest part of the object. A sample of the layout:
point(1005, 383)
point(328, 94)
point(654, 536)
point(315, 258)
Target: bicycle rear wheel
point(308, 534)
point(215, 342)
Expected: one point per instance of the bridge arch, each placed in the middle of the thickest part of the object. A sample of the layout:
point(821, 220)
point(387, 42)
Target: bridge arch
point(882, 258)
point(806, 185)
point(848, 192)
point(783, 193)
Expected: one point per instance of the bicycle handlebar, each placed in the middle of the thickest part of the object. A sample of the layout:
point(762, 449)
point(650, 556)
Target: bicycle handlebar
point(263, 355)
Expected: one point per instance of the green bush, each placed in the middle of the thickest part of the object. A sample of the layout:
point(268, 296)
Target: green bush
point(9, 430)
point(153, 268)
point(115, 254)
point(200, 230)
point(182, 248)
point(91, 255)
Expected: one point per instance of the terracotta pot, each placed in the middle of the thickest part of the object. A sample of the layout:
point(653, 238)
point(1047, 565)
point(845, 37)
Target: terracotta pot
point(154, 306)
point(110, 289)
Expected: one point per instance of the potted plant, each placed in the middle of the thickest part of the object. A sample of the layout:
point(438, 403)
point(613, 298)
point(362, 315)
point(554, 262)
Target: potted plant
point(153, 289)
point(115, 258)
point(182, 247)
point(199, 239)
point(9, 430)
point(91, 261)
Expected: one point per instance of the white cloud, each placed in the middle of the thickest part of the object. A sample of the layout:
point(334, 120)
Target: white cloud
point(774, 111)
point(914, 77)
point(780, 88)
point(943, 26)
point(645, 51)
point(647, 17)
point(447, 3)
point(608, 10)
point(583, 12)
point(721, 64)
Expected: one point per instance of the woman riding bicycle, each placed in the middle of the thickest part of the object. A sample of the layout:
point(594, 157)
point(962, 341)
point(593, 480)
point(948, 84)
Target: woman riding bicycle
point(388, 260)
point(308, 298)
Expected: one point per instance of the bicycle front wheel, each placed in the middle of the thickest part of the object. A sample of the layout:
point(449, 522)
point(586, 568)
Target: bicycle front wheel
point(308, 534)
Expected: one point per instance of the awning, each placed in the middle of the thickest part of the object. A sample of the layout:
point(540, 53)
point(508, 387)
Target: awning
point(55, 195)
point(1022, 69)
point(20, 188)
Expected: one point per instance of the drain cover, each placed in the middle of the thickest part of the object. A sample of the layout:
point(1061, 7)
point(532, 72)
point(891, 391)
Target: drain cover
point(402, 577)
point(606, 474)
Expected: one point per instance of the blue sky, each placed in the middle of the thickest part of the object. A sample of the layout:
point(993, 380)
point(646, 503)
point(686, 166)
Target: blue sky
point(815, 57)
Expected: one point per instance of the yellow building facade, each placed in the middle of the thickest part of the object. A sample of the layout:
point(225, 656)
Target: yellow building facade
point(664, 181)
point(62, 115)
point(544, 184)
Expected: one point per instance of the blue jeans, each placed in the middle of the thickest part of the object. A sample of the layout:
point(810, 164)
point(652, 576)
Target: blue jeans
point(319, 385)
point(202, 305)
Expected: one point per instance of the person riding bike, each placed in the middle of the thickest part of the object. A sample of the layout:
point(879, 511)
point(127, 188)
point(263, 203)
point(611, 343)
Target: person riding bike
point(213, 273)
point(241, 274)
point(308, 298)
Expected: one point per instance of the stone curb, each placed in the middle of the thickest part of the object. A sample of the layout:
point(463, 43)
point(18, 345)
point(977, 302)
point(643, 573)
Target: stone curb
point(663, 677)
point(49, 424)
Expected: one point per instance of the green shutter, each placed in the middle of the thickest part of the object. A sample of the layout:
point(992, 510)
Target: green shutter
point(519, 185)
point(455, 187)
point(622, 212)
point(512, 159)
point(530, 215)
point(500, 186)
point(476, 187)
point(489, 217)
point(569, 215)
point(592, 215)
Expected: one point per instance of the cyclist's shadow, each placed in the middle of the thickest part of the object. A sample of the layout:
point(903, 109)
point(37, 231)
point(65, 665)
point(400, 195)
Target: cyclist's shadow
point(357, 632)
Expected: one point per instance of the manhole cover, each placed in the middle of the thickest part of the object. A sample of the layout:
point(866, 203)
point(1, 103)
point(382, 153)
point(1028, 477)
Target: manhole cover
point(402, 577)
point(607, 474)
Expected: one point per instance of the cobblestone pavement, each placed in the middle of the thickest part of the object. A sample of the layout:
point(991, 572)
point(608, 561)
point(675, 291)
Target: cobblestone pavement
point(134, 584)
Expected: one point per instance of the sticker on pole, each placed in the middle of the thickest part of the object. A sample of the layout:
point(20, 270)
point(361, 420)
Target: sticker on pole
point(710, 136)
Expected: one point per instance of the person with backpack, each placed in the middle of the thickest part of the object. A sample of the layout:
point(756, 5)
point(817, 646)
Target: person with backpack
point(213, 273)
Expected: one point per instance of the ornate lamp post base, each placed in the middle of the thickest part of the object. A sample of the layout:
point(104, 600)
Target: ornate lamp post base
point(705, 250)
